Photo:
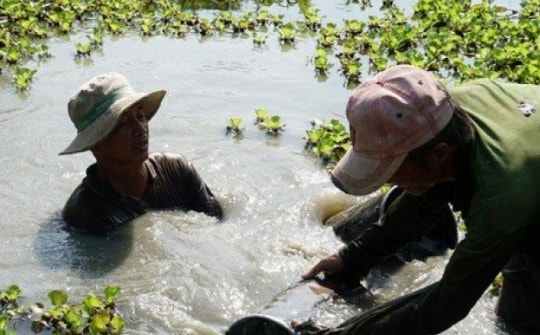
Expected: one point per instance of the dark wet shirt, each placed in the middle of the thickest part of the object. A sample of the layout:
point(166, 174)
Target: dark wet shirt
point(96, 207)
point(497, 189)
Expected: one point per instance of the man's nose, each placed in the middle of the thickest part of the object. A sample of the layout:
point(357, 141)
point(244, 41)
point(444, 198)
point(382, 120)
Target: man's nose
point(138, 126)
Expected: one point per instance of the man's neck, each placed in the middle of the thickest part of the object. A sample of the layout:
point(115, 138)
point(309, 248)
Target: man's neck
point(129, 180)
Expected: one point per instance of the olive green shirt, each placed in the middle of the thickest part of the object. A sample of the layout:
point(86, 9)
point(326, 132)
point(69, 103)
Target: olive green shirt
point(498, 191)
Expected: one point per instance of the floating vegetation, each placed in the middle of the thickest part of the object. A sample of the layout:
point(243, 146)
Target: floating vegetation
point(273, 125)
point(83, 49)
point(234, 125)
point(263, 17)
point(352, 70)
point(287, 33)
point(260, 115)
point(322, 65)
point(259, 38)
point(23, 78)
point(460, 40)
point(312, 19)
point(92, 316)
point(328, 140)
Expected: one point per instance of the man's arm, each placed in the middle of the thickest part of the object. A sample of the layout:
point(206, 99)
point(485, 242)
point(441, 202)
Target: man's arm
point(198, 195)
point(407, 219)
point(469, 272)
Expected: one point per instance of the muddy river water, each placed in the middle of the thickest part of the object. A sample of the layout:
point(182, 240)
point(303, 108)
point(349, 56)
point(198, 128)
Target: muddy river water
point(185, 273)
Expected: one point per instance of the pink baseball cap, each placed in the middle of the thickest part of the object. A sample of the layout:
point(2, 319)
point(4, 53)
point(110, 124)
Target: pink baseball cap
point(390, 115)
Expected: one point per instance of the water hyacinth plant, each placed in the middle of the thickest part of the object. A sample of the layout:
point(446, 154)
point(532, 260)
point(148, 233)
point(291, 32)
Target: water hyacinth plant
point(322, 65)
point(263, 17)
point(273, 125)
point(260, 115)
point(328, 140)
point(312, 19)
point(287, 33)
point(259, 38)
point(234, 125)
point(92, 316)
point(23, 78)
point(83, 49)
point(460, 40)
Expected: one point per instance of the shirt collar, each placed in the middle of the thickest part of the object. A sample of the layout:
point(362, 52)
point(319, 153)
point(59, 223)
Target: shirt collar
point(105, 187)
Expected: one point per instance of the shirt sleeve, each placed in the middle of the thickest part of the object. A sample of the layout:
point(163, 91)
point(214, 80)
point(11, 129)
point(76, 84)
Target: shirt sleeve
point(198, 196)
point(406, 220)
point(496, 227)
point(203, 200)
point(469, 273)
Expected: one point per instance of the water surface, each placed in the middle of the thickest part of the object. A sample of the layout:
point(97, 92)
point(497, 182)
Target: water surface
point(185, 273)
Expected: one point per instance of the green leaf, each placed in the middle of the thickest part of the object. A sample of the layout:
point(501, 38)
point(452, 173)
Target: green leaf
point(111, 293)
point(262, 115)
point(99, 321)
point(117, 323)
point(320, 52)
point(321, 63)
point(74, 319)
point(314, 135)
point(55, 313)
point(13, 292)
point(4, 321)
point(273, 124)
point(91, 302)
point(259, 38)
point(57, 297)
point(235, 122)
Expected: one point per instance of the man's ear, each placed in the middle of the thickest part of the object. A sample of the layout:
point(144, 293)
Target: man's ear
point(442, 151)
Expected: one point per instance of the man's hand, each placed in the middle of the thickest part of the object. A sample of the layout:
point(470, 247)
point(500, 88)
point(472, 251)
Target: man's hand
point(332, 263)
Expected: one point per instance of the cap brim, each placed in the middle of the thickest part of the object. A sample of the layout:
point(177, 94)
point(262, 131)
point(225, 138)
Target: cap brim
point(104, 125)
point(359, 175)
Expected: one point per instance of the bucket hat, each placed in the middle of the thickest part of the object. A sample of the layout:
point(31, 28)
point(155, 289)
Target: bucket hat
point(95, 108)
point(390, 115)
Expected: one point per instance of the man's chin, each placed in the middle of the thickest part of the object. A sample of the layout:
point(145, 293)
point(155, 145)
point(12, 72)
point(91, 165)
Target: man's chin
point(141, 155)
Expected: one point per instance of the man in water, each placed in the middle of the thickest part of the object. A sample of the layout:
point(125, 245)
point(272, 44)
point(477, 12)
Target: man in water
point(125, 182)
point(476, 146)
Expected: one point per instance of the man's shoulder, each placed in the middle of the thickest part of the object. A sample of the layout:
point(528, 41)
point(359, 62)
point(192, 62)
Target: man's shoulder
point(170, 166)
point(162, 163)
point(80, 206)
point(166, 157)
point(494, 87)
point(473, 87)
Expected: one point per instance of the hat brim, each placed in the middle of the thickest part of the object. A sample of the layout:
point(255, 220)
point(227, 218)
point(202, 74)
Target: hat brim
point(359, 175)
point(105, 123)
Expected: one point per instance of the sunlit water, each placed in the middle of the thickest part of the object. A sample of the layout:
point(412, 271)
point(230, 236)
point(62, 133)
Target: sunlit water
point(185, 273)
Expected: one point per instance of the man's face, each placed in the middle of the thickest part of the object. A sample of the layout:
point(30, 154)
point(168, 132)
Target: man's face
point(416, 178)
point(128, 143)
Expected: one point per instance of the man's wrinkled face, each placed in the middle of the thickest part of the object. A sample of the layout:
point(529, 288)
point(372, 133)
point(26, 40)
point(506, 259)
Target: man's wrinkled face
point(416, 177)
point(128, 142)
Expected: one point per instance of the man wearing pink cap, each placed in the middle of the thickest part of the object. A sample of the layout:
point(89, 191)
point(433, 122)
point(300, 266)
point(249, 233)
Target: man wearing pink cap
point(475, 146)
